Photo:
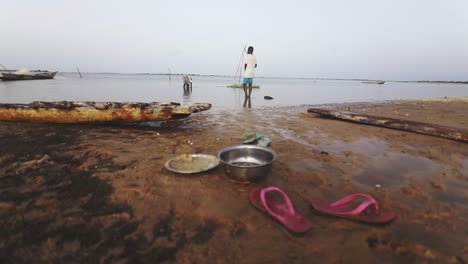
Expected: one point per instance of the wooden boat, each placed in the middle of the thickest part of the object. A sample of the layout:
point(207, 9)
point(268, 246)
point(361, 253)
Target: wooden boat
point(98, 112)
point(375, 82)
point(39, 75)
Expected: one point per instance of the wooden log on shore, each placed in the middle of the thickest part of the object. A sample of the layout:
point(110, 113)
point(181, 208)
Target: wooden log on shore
point(98, 112)
point(400, 124)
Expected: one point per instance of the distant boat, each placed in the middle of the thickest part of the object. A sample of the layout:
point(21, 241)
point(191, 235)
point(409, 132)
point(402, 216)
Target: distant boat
point(375, 82)
point(33, 75)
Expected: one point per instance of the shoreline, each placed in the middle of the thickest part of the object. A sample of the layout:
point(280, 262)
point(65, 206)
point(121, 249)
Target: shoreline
point(99, 193)
point(269, 77)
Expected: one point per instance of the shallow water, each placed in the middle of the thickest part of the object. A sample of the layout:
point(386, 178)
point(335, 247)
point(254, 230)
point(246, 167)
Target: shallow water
point(150, 88)
point(395, 170)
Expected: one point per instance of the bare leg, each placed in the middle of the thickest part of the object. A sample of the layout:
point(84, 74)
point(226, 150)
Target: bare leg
point(245, 89)
point(250, 89)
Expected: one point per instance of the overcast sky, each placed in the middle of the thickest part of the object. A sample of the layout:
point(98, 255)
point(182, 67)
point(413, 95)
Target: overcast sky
point(375, 39)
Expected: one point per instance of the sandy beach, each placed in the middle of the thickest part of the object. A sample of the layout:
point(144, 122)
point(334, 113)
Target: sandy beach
point(101, 194)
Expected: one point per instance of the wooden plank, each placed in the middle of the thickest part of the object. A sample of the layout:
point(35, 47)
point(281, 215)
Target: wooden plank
point(400, 124)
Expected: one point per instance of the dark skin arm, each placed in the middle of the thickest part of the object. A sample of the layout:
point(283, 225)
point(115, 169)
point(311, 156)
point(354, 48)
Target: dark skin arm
point(245, 66)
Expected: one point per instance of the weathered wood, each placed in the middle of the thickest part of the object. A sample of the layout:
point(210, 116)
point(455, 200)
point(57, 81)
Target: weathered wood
point(97, 112)
point(32, 76)
point(400, 124)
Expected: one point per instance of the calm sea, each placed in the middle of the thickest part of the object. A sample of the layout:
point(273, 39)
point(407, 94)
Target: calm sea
point(157, 88)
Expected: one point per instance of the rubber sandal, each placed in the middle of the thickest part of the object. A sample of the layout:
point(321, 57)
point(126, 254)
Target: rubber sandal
point(252, 139)
point(283, 211)
point(368, 211)
point(264, 141)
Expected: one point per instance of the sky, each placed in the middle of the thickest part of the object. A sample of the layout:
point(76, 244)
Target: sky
point(373, 39)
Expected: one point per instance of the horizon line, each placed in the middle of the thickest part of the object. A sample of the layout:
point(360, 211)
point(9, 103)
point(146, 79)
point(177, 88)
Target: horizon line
point(277, 77)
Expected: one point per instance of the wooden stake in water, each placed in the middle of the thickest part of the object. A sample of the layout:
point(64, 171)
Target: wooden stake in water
point(78, 69)
point(169, 69)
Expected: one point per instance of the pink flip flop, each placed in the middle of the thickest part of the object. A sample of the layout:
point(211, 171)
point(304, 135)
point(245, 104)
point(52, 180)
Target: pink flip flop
point(363, 212)
point(282, 211)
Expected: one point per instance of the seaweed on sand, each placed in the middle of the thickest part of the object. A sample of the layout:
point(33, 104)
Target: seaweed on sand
point(239, 85)
point(54, 207)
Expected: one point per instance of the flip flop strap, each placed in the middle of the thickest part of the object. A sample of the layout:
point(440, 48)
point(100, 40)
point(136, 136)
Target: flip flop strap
point(286, 198)
point(361, 207)
point(357, 210)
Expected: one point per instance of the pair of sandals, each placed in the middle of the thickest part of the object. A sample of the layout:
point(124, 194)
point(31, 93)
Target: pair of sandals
point(368, 211)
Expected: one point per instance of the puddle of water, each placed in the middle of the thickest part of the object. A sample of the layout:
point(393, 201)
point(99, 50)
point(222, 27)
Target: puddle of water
point(394, 170)
point(456, 196)
point(291, 135)
point(419, 234)
point(455, 191)
point(307, 165)
point(464, 169)
point(368, 146)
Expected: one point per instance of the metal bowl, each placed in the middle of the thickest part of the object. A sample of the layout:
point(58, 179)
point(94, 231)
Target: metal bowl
point(246, 162)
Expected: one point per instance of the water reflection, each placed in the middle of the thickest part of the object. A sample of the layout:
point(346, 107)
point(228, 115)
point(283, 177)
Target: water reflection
point(395, 170)
point(247, 102)
point(187, 93)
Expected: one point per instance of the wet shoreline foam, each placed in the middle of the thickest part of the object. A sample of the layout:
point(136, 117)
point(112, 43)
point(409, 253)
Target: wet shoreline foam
point(89, 193)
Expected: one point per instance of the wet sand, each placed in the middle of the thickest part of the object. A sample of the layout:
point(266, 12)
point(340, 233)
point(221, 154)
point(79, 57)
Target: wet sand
point(101, 194)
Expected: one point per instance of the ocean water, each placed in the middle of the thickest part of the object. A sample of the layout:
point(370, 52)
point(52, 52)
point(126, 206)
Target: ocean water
point(214, 90)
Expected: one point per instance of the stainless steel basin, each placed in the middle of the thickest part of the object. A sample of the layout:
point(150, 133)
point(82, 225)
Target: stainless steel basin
point(246, 162)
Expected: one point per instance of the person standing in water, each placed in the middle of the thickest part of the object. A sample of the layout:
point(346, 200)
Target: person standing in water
point(249, 68)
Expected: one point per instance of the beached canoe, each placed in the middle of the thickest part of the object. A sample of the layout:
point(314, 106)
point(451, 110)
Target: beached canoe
point(31, 76)
point(98, 112)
